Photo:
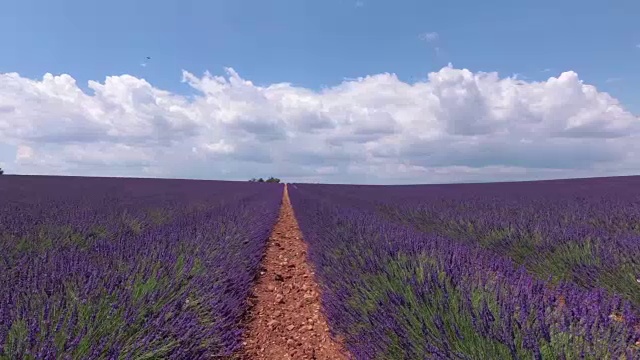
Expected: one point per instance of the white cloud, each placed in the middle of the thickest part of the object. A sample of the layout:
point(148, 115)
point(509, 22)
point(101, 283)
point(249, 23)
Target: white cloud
point(454, 126)
point(433, 41)
point(429, 36)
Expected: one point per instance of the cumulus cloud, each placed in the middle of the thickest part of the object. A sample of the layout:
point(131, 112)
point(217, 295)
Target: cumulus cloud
point(456, 125)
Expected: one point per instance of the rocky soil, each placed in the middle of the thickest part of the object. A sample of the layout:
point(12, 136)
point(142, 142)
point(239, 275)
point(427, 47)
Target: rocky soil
point(286, 321)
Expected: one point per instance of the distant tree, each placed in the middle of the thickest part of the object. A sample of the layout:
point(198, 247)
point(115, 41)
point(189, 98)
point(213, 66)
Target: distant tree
point(1, 171)
point(269, 180)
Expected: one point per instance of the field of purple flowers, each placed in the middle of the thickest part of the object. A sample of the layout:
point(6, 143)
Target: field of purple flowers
point(96, 268)
point(538, 270)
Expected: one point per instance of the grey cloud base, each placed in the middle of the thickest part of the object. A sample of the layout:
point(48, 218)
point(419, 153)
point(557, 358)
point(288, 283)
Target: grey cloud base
point(455, 126)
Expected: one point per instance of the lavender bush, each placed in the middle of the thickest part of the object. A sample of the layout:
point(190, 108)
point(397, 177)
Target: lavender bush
point(586, 231)
point(99, 268)
point(394, 292)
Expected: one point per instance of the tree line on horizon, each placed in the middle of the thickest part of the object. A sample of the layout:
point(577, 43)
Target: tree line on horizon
point(269, 180)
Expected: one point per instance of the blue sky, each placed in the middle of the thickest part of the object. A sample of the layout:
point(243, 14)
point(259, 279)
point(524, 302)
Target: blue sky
point(319, 44)
point(315, 43)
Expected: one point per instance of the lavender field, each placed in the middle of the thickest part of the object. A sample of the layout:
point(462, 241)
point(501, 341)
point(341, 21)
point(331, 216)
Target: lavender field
point(536, 270)
point(98, 268)
point(106, 268)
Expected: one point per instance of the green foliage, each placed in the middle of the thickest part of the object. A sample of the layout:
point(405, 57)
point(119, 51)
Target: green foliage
point(16, 339)
point(418, 313)
point(269, 180)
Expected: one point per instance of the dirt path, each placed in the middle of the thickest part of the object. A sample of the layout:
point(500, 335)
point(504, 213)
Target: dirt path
point(286, 321)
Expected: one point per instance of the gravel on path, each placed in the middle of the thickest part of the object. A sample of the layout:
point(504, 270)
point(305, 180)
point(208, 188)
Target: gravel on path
point(285, 320)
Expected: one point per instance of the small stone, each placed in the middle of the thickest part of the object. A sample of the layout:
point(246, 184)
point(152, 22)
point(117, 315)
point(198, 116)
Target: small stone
point(277, 313)
point(271, 288)
point(289, 341)
point(272, 323)
point(279, 298)
point(290, 327)
point(279, 277)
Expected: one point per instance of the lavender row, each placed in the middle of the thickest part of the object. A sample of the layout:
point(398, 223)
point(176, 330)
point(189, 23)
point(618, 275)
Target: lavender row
point(395, 293)
point(96, 268)
point(586, 231)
